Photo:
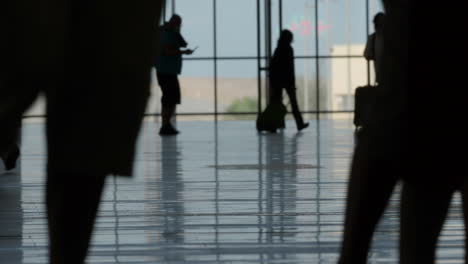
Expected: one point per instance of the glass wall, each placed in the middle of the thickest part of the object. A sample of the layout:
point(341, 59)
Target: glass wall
point(329, 41)
point(228, 72)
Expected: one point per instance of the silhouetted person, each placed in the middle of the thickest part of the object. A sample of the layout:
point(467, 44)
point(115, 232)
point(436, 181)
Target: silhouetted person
point(282, 76)
point(380, 158)
point(375, 44)
point(168, 67)
point(365, 95)
point(92, 60)
point(438, 156)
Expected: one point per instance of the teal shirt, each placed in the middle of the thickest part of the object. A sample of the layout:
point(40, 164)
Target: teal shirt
point(169, 64)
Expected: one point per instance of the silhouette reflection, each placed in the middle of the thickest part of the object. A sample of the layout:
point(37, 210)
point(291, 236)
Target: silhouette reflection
point(11, 223)
point(281, 194)
point(172, 198)
point(164, 187)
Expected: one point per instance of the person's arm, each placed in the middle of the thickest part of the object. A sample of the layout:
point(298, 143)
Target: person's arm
point(182, 41)
point(171, 42)
point(170, 50)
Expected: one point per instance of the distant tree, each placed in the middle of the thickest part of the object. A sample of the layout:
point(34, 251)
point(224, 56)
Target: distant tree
point(245, 104)
point(242, 105)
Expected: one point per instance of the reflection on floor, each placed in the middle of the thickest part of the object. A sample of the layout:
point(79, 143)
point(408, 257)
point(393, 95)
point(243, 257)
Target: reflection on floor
point(214, 194)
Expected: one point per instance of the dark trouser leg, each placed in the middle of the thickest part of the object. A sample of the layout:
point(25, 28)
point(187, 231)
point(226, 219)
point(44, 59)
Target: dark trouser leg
point(370, 186)
point(10, 151)
point(13, 107)
point(423, 211)
point(9, 145)
point(72, 203)
point(170, 89)
point(167, 112)
point(295, 107)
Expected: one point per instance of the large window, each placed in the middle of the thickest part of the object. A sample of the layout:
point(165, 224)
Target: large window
point(329, 40)
point(228, 72)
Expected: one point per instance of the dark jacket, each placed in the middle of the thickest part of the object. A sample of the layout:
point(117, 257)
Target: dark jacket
point(282, 72)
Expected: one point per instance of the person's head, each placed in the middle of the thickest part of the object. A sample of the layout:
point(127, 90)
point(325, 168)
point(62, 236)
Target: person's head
point(379, 19)
point(286, 37)
point(175, 22)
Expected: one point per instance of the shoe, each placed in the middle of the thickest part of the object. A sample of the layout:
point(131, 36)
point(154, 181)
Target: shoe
point(11, 158)
point(168, 130)
point(305, 125)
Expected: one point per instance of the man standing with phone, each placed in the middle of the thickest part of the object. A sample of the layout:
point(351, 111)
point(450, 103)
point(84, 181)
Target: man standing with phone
point(168, 66)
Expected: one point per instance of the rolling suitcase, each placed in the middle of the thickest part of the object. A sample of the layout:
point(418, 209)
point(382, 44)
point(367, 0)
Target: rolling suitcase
point(272, 118)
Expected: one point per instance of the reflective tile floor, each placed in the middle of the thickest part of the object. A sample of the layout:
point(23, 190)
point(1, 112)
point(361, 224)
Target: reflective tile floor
point(214, 194)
